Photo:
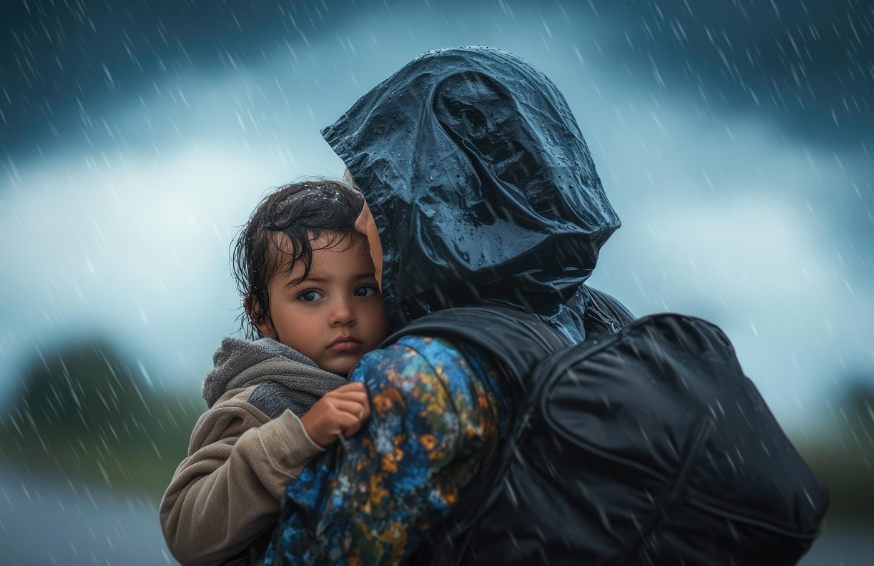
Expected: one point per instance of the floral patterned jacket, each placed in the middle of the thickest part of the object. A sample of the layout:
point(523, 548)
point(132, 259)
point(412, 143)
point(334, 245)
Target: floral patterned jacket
point(437, 416)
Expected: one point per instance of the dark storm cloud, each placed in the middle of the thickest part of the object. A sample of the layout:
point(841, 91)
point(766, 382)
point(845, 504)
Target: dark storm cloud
point(807, 65)
point(63, 65)
point(802, 69)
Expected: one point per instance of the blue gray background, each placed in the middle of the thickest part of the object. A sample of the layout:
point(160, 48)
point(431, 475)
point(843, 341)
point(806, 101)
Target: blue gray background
point(734, 139)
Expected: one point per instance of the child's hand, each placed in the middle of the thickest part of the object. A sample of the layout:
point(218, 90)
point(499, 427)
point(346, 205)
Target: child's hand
point(341, 411)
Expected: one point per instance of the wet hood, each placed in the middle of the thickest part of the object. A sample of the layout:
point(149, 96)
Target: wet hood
point(480, 182)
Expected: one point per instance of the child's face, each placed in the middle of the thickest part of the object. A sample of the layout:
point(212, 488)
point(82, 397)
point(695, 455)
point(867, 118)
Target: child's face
point(334, 316)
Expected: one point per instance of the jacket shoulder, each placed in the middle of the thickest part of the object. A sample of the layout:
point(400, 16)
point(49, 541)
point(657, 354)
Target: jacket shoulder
point(229, 417)
point(413, 353)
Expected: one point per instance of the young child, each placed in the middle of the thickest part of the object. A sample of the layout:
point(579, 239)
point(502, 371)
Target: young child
point(311, 295)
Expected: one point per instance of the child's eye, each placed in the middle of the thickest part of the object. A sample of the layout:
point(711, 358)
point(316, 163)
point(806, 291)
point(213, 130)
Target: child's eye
point(366, 291)
point(310, 295)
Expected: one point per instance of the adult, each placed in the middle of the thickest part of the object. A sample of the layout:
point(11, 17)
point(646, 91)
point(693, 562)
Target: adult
point(481, 190)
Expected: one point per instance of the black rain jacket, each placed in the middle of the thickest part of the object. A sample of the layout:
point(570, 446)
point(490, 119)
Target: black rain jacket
point(483, 190)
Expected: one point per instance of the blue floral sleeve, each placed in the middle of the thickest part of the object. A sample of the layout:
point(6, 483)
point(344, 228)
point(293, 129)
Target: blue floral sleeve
point(437, 416)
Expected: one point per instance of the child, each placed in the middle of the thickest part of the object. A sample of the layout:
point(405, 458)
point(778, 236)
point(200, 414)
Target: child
point(310, 292)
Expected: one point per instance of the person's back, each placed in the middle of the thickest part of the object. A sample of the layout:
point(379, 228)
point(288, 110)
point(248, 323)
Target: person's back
point(649, 446)
point(311, 298)
point(487, 194)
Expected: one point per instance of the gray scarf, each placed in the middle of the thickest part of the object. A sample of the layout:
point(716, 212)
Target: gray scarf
point(242, 363)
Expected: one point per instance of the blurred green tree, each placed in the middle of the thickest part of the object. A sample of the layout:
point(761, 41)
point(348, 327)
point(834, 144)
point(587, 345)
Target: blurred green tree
point(83, 412)
point(844, 458)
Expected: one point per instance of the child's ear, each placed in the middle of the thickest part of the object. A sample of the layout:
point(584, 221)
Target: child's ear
point(265, 326)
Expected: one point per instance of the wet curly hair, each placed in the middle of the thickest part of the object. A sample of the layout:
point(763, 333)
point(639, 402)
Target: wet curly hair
point(302, 212)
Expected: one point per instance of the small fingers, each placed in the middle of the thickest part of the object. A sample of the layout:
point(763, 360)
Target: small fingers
point(353, 428)
point(354, 408)
point(365, 406)
point(349, 392)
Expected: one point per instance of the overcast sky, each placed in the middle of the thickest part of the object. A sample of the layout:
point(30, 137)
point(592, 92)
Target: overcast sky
point(734, 139)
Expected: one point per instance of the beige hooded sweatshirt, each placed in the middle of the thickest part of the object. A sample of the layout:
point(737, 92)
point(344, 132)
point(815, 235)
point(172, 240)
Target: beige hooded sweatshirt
point(224, 497)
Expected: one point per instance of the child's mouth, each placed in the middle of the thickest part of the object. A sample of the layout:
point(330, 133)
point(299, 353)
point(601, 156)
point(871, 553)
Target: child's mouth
point(345, 345)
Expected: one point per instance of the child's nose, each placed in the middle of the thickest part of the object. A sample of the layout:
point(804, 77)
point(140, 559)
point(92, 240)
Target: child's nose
point(343, 314)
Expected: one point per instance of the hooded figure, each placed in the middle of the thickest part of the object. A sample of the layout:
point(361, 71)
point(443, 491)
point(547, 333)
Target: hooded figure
point(482, 188)
point(483, 193)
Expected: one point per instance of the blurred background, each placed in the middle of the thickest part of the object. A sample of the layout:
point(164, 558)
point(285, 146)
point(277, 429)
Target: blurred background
point(734, 139)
